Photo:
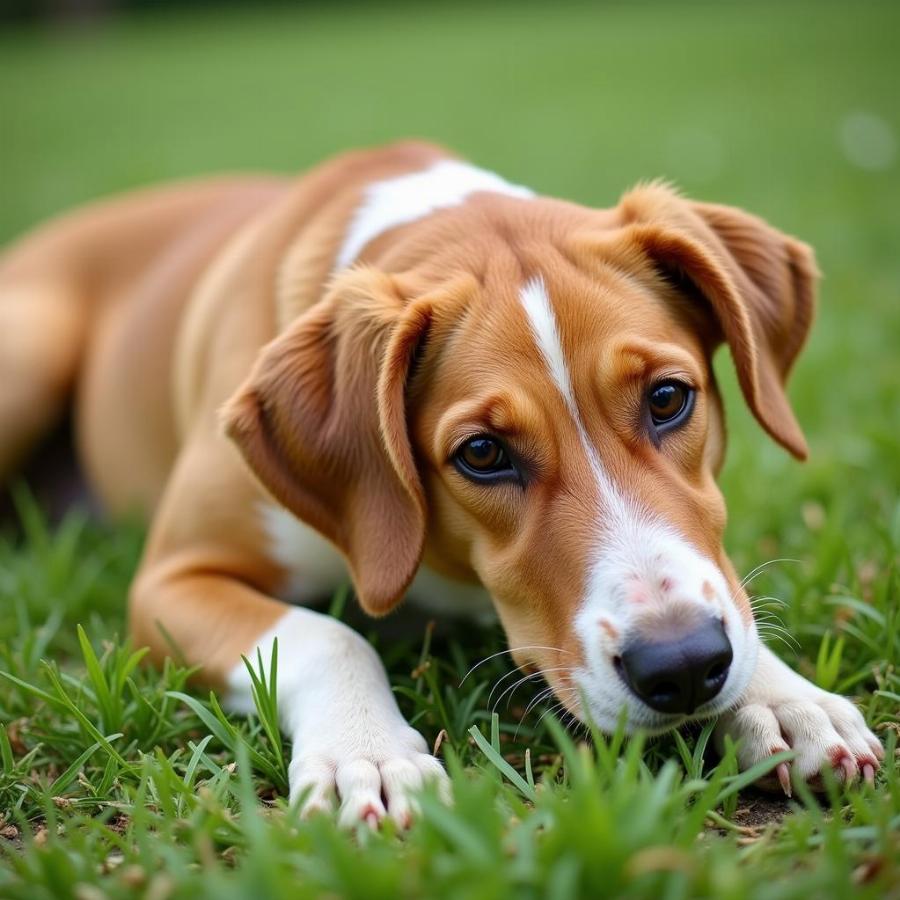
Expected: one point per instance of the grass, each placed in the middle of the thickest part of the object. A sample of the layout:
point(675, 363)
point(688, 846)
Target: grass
point(117, 780)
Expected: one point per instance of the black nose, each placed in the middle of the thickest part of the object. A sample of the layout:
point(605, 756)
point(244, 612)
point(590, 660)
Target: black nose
point(678, 676)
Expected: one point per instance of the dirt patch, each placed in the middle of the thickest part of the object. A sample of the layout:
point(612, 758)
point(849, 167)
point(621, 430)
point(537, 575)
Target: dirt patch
point(757, 809)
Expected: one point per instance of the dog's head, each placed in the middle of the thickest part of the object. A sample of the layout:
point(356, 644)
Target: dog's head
point(528, 400)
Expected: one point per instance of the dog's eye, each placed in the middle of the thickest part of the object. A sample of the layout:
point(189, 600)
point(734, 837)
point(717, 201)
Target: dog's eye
point(482, 454)
point(670, 403)
point(484, 459)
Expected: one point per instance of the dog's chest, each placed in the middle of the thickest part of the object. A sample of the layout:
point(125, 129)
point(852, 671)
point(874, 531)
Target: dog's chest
point(314, 570)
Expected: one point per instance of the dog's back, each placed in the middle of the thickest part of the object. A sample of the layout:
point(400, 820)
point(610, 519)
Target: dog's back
point(72, 286)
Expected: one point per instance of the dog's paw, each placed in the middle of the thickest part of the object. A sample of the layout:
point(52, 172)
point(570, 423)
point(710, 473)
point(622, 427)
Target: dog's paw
point(370, 777)
point(822, 729)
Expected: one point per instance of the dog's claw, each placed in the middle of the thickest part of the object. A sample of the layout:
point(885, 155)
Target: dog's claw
point(784, 778)
point(868, 771)
point(848, 767)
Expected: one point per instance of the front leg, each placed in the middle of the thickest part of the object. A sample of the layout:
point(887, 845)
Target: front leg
point(350, 740)
point(781, 710)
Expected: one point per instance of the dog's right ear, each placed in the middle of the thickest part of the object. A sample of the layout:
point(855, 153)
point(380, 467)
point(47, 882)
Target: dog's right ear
point(321, 421)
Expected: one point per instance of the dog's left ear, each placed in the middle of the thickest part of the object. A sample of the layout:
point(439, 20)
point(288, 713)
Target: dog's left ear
point(321, 421)
point(759, 282)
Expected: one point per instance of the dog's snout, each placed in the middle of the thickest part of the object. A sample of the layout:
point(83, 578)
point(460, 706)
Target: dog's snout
point(679, 675)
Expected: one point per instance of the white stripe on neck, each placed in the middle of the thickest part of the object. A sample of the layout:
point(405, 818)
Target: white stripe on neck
point(398, 201)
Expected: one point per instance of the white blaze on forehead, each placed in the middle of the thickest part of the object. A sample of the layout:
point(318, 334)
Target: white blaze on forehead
point(400, 200)
point(542, 319)
point(536, 301)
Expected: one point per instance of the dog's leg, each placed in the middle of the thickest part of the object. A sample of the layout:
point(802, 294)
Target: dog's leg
point(204, 592)
point(350, 740)
point(349, 737)
point(781, 710)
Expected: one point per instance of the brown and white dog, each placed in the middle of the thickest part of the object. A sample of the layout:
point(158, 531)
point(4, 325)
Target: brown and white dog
point(404, 367)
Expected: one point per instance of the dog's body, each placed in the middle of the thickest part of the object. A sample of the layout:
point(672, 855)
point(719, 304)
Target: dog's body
point(430, 371)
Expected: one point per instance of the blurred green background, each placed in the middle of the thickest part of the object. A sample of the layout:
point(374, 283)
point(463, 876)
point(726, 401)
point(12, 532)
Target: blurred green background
point(788, 109)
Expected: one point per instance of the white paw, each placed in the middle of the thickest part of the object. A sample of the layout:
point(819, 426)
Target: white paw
point(370, 776)
point(822, 729)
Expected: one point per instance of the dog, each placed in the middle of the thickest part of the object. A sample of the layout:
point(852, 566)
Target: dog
point(403, 367)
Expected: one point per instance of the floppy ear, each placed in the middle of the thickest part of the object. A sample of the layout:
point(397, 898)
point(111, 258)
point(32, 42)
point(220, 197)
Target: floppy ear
point(321, 421)
point(759, 282)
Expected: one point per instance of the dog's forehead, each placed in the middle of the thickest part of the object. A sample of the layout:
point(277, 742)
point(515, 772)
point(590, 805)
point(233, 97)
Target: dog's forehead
point(538, 325)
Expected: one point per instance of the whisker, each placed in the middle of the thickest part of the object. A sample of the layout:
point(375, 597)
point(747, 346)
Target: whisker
point(549, 711)
point(511, 687)
point(767, 600)
point(767, 630)
point(531, 675)
point(762, 602)
point(769, 624)
point(521, 722)
point(511, 673)
point(539, 698)
point(774, 628)
point(765, 617)
point(552, 709)
point(754, 572)
point(771, 621)
point(561, 704)
point(768, 615)
point(535, 701)
point(481, 662)
point(770, 639)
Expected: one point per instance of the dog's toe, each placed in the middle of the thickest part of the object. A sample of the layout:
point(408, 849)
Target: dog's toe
point(757, 731)
point(402, 778)
point(368, 790)
point(312, 784)
point(359, 787)
point(849, 723)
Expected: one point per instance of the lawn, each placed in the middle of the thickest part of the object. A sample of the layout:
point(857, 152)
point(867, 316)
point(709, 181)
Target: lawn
point(116, 781)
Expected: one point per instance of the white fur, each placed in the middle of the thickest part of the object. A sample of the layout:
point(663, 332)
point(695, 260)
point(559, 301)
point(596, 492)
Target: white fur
point(335, 703)
point(781, 710)
point(313, 565)
point(406, 198)
point(540, 314)
point(632, 541)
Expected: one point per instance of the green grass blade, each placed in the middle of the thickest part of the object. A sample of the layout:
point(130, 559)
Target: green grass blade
point(496, 760)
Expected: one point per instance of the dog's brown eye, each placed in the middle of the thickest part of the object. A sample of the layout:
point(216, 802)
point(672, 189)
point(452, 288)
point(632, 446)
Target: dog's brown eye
point(484, 459)
point(668, 401)
point(482, 454)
